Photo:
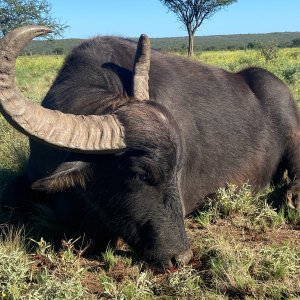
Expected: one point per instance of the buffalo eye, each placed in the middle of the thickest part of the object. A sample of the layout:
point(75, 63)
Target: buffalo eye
point(147, 178)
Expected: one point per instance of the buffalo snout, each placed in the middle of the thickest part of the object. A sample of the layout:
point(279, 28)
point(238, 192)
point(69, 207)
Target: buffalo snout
point(181, 259)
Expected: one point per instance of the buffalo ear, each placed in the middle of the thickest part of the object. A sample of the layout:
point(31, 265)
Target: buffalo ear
point(67, 175)
point(141, 68)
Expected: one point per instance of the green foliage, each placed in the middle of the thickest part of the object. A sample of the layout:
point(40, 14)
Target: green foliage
point(204, 218)
point(291, 215)
point(14, 265)
point(138, 287)
point(248, 209)
point(59, 51)
point(296, 42)
point(109, 259)
point(16, 13)
point(267, 272)
point(141, 288)
point(185, 284)
point(290, 73)
point(192, 13)
point(276, 263)
point(179, 44)
point(21, 276)
point(269, 51)
point(252, 45)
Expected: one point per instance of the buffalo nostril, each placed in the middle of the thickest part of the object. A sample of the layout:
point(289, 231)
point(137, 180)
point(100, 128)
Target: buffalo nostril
point(174, 262)
point(181, 259)
point(184, 258)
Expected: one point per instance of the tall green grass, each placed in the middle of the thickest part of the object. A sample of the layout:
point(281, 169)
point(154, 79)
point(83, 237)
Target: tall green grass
point(34, 77)
point(286, 65)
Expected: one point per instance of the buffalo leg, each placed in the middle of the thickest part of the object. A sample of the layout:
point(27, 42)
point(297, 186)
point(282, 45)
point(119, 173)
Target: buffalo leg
point(293, 166)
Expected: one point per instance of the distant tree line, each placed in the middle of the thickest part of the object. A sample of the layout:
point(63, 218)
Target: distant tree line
point(179, 44)
point(293, 44)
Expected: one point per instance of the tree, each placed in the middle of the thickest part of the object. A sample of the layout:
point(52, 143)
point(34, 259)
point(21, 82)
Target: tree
point(59, 51)
point(16, 13)
point(192, 13)
point(296, 43)
point(269, 50)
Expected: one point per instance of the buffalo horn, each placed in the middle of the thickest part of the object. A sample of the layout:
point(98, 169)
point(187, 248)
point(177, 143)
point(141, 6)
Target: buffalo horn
point(141, 69)
point(77, 133)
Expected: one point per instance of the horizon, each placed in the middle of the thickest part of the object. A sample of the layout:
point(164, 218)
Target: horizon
point(196, 36)
point(132, 17)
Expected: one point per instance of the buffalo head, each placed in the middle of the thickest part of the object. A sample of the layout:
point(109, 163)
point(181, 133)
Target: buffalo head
point(127, 161)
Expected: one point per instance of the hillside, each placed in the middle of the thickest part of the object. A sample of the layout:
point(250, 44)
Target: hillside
point(216, 42)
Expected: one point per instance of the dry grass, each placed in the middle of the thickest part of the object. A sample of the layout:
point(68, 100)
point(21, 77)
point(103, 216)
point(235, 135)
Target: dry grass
point(233, 259)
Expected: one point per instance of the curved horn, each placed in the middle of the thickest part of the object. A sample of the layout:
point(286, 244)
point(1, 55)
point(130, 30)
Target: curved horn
point(94, 134)
point(141, 69)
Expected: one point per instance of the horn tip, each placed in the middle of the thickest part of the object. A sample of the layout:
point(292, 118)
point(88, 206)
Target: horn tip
point(35, 30)
point(144, 37)
point(41, 30)
point(47, 29)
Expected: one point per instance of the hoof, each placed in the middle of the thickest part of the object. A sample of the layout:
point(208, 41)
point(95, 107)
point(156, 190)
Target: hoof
point(293, 200)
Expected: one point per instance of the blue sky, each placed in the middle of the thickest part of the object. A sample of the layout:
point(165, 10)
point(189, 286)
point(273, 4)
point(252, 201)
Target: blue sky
point(130, 18)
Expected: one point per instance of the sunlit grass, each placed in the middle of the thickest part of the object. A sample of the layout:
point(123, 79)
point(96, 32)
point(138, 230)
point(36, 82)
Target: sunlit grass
point(286, 66)
point(35, 74)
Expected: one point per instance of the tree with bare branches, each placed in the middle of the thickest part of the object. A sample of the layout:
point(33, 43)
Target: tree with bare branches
point(192, 13)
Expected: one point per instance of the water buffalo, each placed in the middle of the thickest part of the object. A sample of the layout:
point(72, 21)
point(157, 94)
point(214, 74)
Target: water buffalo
point(117, 158)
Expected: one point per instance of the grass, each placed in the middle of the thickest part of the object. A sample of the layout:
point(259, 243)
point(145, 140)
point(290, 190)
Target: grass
point(109, 259)
point(245, 208)
point(286, 64)
point(238, 270)
point(34, 76)
point(42, 275)
point(243, 247)
point(231, 260)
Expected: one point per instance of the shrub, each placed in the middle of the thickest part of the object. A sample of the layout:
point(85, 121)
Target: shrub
point(269, 51)
point(295, 43)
